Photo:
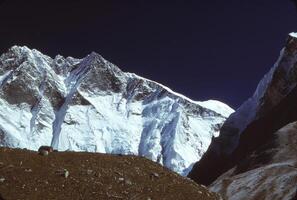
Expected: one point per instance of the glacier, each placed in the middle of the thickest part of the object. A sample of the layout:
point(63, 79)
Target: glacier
point(89, 104)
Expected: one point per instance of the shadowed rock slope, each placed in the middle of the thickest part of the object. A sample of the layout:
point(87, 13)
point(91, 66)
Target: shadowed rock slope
point(247, 160)
point(268, 173)
point(270, 108)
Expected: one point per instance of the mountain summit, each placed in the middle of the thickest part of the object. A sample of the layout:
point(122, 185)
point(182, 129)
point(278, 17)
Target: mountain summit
point(91, 105)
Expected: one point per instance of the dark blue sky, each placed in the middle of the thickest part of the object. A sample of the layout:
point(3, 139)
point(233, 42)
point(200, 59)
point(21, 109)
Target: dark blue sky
point(202, 49)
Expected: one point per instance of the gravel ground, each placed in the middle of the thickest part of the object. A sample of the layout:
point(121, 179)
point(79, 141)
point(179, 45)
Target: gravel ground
point(71, 175)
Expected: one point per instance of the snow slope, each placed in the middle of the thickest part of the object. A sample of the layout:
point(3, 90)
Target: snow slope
point(90, 105)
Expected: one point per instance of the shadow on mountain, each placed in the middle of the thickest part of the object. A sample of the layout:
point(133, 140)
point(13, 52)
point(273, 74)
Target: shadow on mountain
point(258, 134)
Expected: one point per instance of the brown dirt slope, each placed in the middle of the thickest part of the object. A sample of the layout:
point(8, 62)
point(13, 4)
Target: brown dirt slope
point(26, 175)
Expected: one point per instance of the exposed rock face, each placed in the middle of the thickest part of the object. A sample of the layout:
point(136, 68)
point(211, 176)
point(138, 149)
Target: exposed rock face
point(268, 173)
point(90, 105)
point(247, 143)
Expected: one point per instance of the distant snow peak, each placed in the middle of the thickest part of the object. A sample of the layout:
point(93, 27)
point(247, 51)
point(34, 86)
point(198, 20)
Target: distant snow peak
point(293, 34)
point(91, 105)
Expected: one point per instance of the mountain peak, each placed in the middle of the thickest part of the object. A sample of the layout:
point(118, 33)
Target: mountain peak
point(89, 104)
point(293, 34)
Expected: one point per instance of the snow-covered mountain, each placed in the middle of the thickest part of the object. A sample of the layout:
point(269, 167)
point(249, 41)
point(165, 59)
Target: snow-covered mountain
point(254, 156)
point(91, 105)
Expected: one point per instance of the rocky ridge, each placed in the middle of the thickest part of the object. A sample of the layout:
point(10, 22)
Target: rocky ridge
point(250, 148)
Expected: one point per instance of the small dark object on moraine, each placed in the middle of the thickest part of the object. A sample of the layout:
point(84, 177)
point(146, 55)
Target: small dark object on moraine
point(45, 150)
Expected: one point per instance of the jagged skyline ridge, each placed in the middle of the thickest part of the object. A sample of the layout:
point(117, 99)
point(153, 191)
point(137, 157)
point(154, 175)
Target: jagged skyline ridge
point(91, 105)
point(197, 48)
